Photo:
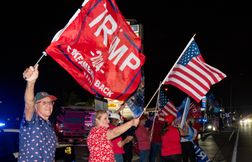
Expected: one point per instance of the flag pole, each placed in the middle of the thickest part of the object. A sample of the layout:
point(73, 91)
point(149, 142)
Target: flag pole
point(155, 115)
point(150, 100)
point(188, 44)
point(184, 116)
point(43, 54)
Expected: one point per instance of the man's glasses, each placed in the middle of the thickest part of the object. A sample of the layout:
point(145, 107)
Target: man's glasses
point(46, 102)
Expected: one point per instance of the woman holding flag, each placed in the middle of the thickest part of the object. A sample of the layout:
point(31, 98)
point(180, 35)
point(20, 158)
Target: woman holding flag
point(98, 140)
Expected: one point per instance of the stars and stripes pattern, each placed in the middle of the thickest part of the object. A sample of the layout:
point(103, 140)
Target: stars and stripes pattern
point(192, 75)
point(162, 99)
point(169, 108)
point(166, 106)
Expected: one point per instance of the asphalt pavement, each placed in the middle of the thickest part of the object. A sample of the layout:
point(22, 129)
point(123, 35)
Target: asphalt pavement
point(218, 145)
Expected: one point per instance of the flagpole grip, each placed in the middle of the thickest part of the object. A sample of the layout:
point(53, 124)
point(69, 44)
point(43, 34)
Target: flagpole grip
point(43, 54)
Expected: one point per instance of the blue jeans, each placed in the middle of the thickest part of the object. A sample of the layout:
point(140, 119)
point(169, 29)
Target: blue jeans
point(155, 153)
point(144, 155)
point(119, 157)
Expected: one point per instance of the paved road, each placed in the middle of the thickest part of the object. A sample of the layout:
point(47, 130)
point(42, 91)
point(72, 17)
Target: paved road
point(244, 147)
point(219, 145)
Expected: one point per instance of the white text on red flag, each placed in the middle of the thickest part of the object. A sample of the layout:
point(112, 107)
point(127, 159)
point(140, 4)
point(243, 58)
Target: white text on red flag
point(100, 50)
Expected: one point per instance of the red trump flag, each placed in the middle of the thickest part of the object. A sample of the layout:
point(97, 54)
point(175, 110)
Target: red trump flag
point(100, 50)
point(192, 74)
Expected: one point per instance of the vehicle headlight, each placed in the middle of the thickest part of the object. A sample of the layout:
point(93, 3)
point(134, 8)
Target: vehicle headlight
point(245, 121)
point(209, 127)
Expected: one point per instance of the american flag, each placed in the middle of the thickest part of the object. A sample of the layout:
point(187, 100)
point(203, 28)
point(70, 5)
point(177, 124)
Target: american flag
point(166, 107)
point(162, 99)
point(192, 75)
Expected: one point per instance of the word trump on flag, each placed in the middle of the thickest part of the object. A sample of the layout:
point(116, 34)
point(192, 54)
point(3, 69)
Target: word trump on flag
point(100, 50)
point(201, 156)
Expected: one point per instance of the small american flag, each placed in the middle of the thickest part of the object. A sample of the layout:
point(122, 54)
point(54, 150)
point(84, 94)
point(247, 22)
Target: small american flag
point(192, 75)
point(163, 99)
point(166, 107)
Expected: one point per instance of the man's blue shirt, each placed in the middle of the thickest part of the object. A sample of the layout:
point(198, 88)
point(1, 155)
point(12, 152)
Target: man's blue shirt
point(37, 140)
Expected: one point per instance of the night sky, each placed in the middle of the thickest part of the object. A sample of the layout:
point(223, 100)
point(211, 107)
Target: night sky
point(223, 34)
